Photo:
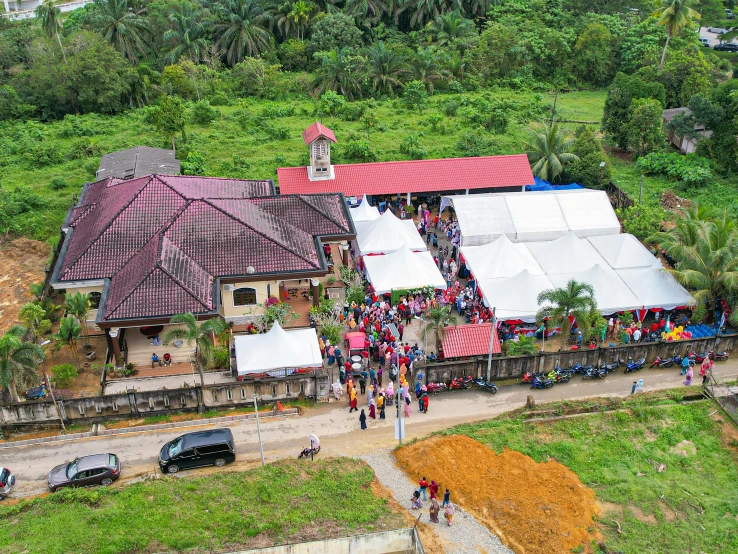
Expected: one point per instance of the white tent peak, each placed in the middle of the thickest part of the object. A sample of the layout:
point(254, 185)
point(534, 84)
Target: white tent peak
point(387, 233)
point(500, 258)
point(622, 251)
point(403, 269)
point(568, 254)
point(364, 211)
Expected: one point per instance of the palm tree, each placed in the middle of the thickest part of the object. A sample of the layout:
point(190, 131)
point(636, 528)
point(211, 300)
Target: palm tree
point(675, 16)
point(79, 306)
point(340, 71)
point(368, 10)
point(18, 360)
point(524, 346)
point(49, 14)
point(187, 35)
point(122, 28)
point(300, 15)
point(242, 30)
point(706, 250)
point(478, 8)
point(386, 66)
point(425, 11)
point(548, 152)
point(69, 331)
point(451, 27)
point(576, 299)
point(425, 68)
point(436, 322)
point(199, 335)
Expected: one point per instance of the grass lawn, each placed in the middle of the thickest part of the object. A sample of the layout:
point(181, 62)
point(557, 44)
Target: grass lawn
point(282, 502)
point(617, 455)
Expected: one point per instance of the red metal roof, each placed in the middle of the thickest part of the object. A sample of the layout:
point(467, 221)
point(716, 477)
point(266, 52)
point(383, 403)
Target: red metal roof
point(317, 130)
point(469, 340)
point(486, 172)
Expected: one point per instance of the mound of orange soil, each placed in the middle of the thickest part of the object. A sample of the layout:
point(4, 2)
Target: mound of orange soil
point(533, 507)
point(23, 262)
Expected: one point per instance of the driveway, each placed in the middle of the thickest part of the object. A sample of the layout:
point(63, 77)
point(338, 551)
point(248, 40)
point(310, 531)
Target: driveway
point(337, 429)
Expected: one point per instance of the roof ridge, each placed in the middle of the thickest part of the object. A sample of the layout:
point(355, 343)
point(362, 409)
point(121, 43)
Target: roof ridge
point(179, 281)
point(130, 292)
point(160, 175)
point(108, 224)
point(170, 187)
point(432, 160)
point(258, 232)
point(321, 212)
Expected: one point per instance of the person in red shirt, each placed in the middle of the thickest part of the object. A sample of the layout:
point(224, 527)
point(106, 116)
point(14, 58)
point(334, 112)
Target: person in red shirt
point(423, 484)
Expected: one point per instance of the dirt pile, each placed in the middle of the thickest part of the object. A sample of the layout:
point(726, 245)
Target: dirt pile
point(674, 203)
point(533, 507)
point(23, 264)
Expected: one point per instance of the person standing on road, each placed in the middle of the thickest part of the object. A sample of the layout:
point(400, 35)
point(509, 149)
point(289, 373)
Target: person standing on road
point(705, 370)
point(433, 510)
point(425, 403)
point(423, 484)
point(362, 420)
point(354, 404)
point(639, 386)
point(633, 388)
point(449, 513)
point(446, 498)
point(690, 374)
point(433, 488)
point(685, 365)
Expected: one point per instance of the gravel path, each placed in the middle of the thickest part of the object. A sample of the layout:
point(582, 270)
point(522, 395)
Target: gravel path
point(466, 535)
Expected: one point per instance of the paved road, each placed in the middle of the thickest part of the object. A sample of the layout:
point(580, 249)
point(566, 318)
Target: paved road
point(339, 431)
point(714, 39)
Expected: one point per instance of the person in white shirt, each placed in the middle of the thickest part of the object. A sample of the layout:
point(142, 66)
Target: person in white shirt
point(637, 335)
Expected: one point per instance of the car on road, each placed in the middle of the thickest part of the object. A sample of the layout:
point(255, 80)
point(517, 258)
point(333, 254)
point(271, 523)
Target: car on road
point(717, 30)
point(705, 41)
point(729, 14)
point(85, 471)
point(7, 481)
point(201, 448)
point(726, 47)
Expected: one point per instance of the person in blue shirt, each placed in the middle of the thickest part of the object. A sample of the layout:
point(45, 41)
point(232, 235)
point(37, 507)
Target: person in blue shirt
point(685, 365)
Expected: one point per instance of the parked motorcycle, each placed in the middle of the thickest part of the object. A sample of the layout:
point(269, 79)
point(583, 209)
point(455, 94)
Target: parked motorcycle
point(311, 450)
point(678, 360)
point(458, 383)
point(539, 383)
point(559, 376)
point(612, 366)
point(699, 358)
point(595, 373)
point(635, 365)
point(719, 356)
point(580, 369)
point(486, 386)
point(528, 377)
point(662, 362)
point(37, 393)
point(434, 388)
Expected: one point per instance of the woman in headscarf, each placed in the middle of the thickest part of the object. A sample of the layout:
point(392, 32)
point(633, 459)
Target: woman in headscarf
point(362, 420)
point(690, 374)
point(639, 385)
point(407, 405)
point(380, 405)
point(369, 394)
point(449, 513)
point(433, 510)
point(415, 501)
point(337, 389)
point(354, 403)
point(433, 488)
point(373, 409)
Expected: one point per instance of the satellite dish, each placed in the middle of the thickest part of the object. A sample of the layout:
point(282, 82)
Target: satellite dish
point(250, 270)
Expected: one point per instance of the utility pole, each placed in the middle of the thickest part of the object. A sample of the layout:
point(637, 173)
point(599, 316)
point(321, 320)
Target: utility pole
point(258, 430)
point(491, 343)
point(398, 399)
point(58, 411)
point(640, 192)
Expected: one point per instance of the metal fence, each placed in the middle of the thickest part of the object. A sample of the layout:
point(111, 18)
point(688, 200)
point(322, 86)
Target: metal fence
point(724, 394)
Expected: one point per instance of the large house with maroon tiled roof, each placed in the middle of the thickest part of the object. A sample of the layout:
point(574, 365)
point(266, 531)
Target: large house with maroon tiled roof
point(159, 245)
point(420, 177)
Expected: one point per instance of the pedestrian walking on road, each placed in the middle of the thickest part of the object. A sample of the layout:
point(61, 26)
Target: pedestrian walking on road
point(433, 488)
point(446, 498)
point(354, 403)
point(633, 388)
point(362, 420)
point(433, 510)
point(685, 365)
point(449, 513)
point(415, 501)
point(639, 386)
point(407, 405)
point(423, 484)
point(690, 374)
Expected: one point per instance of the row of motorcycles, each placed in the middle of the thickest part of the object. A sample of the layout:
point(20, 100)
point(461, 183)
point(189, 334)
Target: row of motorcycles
point(461, 383)
point(694, 358)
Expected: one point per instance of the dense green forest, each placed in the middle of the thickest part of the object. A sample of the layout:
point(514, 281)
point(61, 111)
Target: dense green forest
point(231, 83)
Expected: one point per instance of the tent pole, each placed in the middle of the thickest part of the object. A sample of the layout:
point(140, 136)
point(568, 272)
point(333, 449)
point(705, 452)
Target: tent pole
point(258, 430)
point(491, 343)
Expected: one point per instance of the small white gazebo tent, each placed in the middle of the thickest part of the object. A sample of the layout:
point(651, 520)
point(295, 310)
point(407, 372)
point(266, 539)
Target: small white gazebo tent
point(387, 234)
point(623, 251)
point(364, 211)
point(403, 270)
point(655, 287)
point(277, 349)
point(610, 292)
point(515, 297)
point(568, 254)
point(500, 258)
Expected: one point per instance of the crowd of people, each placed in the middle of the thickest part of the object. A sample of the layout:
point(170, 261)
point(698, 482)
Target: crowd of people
point(425, 489)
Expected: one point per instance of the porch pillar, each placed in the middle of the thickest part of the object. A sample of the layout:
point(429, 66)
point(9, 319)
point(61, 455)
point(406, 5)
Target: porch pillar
point(282, 291)
point(408, 198)
point(315, 291)
point(345, 254)
point(113, 334)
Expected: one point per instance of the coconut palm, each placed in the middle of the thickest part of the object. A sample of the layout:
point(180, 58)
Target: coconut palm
point(575, 299)
point(280, 17)
point(386, 66)
point(187, 35)
point(340, 71)
point(548, 151)
point(425, 68)
point(424, 11)
point(436, 322)
point(478, 8)
point(69, 331)
point(18, 361)
point(524, 346)
point(199, 335)
point(300, 16)
point(675, 16)
point(451, 27)
point(706, 250)
point(49, 14)
point(366, 10)
point(122, 28)
point(242, 30)
point(79, 306)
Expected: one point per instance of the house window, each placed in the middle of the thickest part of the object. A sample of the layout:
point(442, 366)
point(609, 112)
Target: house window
point(244, 297)
point(229, 394)
point(95, 300)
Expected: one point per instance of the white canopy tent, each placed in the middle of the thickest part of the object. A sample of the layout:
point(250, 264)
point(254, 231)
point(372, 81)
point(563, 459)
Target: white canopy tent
point(567, 254)
point(387, 234)
point(611, 293)
point(515, 297)
point(622, 251)
point(500, 258)
point(655, 287)
point(532, 216)
point(364, 211)
point(277, 349)
point(402, 270)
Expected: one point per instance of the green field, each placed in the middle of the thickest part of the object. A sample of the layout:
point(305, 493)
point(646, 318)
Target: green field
point(617, 455)
point(282, 502)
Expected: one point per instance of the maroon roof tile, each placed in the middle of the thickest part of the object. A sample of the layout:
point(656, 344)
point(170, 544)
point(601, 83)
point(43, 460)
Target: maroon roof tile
point(317, 215)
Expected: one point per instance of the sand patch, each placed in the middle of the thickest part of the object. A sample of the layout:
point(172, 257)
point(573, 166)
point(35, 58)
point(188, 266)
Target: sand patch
point(23, 264)
point(533, 507)
point(640, 515)
point(685, 448)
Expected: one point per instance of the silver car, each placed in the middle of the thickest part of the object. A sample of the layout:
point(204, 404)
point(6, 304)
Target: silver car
point(7, 481)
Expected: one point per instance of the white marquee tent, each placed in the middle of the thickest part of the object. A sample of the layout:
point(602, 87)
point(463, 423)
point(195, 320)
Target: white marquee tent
point(364, 212)
point(515, 297)
point(622, 251)
point(610, 292)
point(655, 287)
point(403, 269)
point(387, 234)
point(567, 254)
point(500, 258)
point(277, 349)
point(532, 216)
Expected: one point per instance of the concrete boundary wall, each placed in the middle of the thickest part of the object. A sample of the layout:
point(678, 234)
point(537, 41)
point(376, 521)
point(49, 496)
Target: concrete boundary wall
point(395, 542)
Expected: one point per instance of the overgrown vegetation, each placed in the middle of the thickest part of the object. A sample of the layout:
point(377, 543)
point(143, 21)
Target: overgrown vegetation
point(223, 511)
point(619, 455)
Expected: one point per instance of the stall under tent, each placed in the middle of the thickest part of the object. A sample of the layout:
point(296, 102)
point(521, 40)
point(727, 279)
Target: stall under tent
point(589, 214)
point(623, 251)
point(364, 211)
point(387, 234)
point(567, 254)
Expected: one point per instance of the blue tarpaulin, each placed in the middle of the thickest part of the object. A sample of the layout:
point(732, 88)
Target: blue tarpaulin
point(545, 185)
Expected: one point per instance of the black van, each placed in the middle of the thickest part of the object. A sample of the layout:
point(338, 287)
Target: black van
point(202, 448)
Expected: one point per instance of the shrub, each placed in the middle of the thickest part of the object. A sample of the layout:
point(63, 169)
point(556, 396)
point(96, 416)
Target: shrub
point(434, 120)
point(57, 183)
point(691, 168)
point(473, 145)
point(451, 107)
point(641, 220)
point(203, 113)
point(354, 111)
point(411, 147)
point(83, 148)
point(194, 164)
point(64, 374)
point(415, 95)
point(331, 103)
point(292, 55)
point(221, 357)
point(359, 150)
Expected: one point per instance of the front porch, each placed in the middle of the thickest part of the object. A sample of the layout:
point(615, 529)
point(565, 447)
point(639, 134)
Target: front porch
point(139, 347)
